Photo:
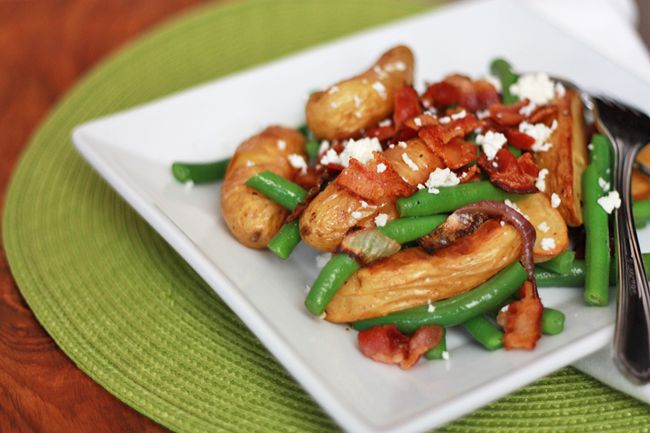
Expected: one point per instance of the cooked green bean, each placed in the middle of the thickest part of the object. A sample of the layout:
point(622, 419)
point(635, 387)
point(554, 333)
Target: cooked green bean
point(561, 263)
point(332, 276)
point(484, 332)
point(304, 130)
point(597, 255)
point(311, 148)
point(501, 69)
point(285, 240)
point(200, 172)
point(454, 311)
point(600, 156)
point(641, 211)
point(575, 277)
point(404, 230)
point(552, 321)
point(280, 190)
point(515, 151)
point(448, 199)
point(439, 351)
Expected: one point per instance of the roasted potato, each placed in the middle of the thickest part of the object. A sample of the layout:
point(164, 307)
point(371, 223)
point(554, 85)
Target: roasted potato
point(548, 223)
point(417, 152)
point(412, 277)
point(567, 158)
point(252, 218)
point(349, 106)
point(641, 182)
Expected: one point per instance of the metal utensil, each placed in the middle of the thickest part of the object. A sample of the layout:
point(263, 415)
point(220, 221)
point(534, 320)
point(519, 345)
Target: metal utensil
point(629, 130)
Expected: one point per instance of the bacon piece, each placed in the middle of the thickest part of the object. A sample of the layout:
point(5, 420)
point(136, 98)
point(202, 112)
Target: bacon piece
point(381, 133)
point(509, 173)
point(407, 106)
point(388, 345)
point(543, 114)
point(518, 139)
point(458, 153)
point(522, 321)
point(469, 174)
point(460, 90)
point(436, 136)
point(365, 181)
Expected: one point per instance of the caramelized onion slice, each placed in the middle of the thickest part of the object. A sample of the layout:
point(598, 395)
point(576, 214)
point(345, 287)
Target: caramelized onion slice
point(369, 245)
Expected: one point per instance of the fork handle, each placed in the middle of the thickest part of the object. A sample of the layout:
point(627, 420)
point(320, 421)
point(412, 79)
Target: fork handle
point(632, 336)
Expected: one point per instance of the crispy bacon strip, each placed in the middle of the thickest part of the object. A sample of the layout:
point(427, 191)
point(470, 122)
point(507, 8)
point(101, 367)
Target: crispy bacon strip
point(458, 153)
point(460, 90)
point(436, 136)
point(469, 174)
point(381, 133)
point(522, 321)
point(518, 139)
point(509, 173)
point(407, 106)
point(368, 183)
point(388, 345)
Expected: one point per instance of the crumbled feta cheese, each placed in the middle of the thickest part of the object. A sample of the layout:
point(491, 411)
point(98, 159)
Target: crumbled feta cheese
point(543, 227)
point(381, 167)
point(540, 183)
point(537, 87)
point(324, 145)
point(250, 163)
point(444, 120)
point(560, 90)
point(459, 115)
point(417, 121)
point(555, 200)
point(364, 204)
point(402, 144)
point(431, 111)
point(603, 184)
point(610, 202)
point(483, 114)
point(331, 157)
point(502, 223)
point(491, 142)
point(322, 259)
point(548, 244)
point(385, 122)
point(515, 207)
point(357, 101)
point(494, 81)
point(334, 105)
point(357, 114)
point(189, 185)
point(528, 109)
point(333, 89)
point(445, 355)
point(356, 215)
point(381, 219)
point(361, 150)
point(380, 89)
point(441, 177)
point(323, 316)
point(421, 186)
point(540, 132)
point(380, 72)
point(413, 166)
point(430, 307)
point(281, 144)
point(298, 162)
point(396, 66)
point(590, 146)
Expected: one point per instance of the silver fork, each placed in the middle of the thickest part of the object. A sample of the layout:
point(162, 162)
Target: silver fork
point(629, 130)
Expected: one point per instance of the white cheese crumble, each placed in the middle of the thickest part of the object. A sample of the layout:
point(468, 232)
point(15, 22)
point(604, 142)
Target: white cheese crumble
point(421, 186)
point(496, 83)
point(610, 202)
point(491, 143)
point(441, 177)
point(189, 185)
point(364, 204)
point(483, 114)
point(334, 105)
point(540, 133)
point(298, 162)
point(459, 115)
point(380, 72)
point(357, 114)
point(537, 87)
point(540, 183)
point(543, 227)
point(333, 89)
point(380, 89)
point(385, 122)
point(417, 121)
point(445, 355)
point(357, 101)
point(502, 223)
point(324, 145)
point(361, 150)
point(323, 316)
point(402, 144)
point(331, 157)
point(396, 66)
point(381, 167)
point(560, 90)
point(430, 307)
point(413, 166)
point(528, 109)
point(555, 200)
point(515, 207)
point(250, 163)
point(603, 184)
point(444, 120)
point(281, 144)
point(381, 219)
point(322, 259)
point(548, 244)
point(356, 215)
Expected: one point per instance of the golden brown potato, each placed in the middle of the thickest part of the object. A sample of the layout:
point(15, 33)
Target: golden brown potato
point(567, 158)
point(548, 223)
point(418, 152)
point(349, 106)
point(641, 182)
point(412, 277)
point(252, 218)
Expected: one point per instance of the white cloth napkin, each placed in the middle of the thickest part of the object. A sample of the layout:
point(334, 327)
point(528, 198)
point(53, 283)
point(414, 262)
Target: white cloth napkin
point(609, 26)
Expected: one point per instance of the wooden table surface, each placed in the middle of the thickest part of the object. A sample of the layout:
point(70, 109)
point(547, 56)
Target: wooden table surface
point(45, 45)
point(44, 48)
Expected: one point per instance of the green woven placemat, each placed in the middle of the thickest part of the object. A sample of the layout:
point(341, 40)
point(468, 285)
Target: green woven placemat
point(132, 315)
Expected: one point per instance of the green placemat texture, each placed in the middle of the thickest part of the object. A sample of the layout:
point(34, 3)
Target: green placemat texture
point(136, 318)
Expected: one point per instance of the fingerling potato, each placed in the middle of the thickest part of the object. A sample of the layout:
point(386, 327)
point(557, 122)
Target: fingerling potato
point(548, 223)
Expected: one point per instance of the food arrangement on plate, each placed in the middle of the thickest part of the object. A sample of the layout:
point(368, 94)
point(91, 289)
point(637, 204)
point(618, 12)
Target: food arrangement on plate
point(449, 207)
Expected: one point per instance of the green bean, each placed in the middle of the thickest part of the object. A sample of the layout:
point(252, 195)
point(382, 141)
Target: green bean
point(448, 199)
point(305, 131)
point(484, 332)
point(515, 151)
point(311, 148)
point(600, 156)
point(575, 277)
point(200, 172)
point(597, 256)
point(503, 71)
point(459, 309)
point(332, 276)
point(404, 230)
point(285, 240)
point(561, 263)
point(280, 190)
point(641, 211)
point(552, 321)
point(440, 349)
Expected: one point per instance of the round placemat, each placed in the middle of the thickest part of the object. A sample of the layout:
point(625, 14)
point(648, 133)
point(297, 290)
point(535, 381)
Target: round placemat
point(133, 315)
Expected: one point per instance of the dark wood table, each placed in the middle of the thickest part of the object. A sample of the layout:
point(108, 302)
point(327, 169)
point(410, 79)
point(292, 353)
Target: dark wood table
point(44, 47)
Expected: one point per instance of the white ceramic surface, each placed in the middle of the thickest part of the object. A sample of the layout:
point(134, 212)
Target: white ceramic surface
point(133, 151)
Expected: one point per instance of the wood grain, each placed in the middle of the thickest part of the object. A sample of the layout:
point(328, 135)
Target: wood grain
point(44, 47)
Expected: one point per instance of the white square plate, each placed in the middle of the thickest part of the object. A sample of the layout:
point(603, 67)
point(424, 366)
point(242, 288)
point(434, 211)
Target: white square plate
point(133, 150)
